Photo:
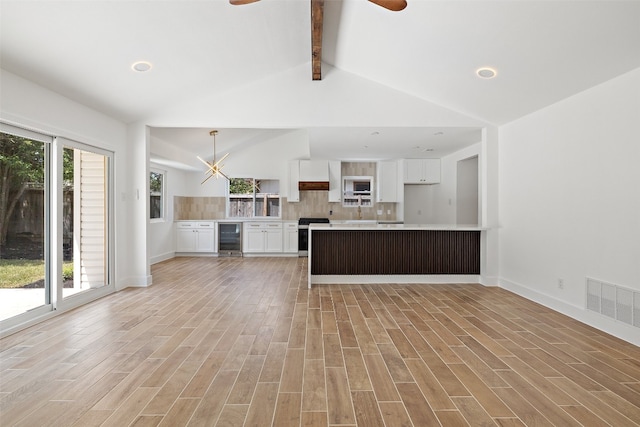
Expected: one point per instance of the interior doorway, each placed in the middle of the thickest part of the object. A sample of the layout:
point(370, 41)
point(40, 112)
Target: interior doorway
point(467, 191)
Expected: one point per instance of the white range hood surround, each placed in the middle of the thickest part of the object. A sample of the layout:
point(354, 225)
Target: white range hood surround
point(314, 171)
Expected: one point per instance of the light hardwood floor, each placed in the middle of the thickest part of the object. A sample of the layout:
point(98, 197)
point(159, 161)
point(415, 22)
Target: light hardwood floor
point(242, 342)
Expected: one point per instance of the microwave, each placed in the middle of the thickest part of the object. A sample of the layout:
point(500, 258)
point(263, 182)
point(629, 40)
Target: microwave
point(361, 186)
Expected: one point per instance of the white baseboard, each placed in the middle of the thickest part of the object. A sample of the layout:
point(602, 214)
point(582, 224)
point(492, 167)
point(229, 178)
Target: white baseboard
point(270, 254)
point(135, 282)
point(394, 278)
point(616, 328)
point(489, 281)
point(162, 257)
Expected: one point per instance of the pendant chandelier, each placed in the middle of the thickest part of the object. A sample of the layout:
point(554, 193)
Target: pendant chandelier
point(214, 168)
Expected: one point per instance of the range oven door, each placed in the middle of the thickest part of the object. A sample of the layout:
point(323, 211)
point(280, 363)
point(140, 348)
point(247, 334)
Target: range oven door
point(303, 240)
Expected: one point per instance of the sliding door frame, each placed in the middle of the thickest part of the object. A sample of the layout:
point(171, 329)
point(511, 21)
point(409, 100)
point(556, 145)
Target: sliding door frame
point(53, 253)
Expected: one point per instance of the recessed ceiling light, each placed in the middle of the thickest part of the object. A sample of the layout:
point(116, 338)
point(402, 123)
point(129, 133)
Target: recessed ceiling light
point(141, 66)
point(486, 73)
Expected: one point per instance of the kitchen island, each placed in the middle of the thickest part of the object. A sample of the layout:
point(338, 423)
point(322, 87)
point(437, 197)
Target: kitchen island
point(394, 253)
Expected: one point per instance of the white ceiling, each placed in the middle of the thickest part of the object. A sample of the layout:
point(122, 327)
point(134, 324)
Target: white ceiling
point(544, 51)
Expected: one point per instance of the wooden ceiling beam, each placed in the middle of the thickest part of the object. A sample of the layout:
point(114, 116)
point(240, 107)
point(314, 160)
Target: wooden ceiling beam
point(317, 12)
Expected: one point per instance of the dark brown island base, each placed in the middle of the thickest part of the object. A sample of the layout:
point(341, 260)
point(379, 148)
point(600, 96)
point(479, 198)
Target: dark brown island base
point(393, 253)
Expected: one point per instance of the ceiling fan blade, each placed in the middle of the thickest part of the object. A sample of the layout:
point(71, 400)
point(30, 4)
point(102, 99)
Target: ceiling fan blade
point(241, 2)
point(393, 5)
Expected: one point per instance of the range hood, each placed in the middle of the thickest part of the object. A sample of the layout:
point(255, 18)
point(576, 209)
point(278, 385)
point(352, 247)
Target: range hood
point(313, 185)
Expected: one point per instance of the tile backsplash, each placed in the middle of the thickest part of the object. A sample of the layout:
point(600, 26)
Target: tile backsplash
point(185, 208)
point(312, 203)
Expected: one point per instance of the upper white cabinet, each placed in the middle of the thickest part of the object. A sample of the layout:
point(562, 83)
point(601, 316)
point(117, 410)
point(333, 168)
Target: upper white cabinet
point(335, 181)
point(387, 172)
point(422, 171)
point(314, 170)
point(294, 177)
point(306, 171)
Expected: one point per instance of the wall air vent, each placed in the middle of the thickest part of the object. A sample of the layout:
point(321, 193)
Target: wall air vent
point(613, 301)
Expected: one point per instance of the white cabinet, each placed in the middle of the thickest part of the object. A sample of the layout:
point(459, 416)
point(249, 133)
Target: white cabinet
point(314, 170)
point(290, 232)
point(294, 177)
point(387, 172)
point(196, 236)
point(253, 236)
point(335, 181)
point(422, 171)
point(262, 237)
point(185, 239)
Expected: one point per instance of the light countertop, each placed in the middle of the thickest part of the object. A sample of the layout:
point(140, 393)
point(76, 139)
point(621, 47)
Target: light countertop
point(372, 225)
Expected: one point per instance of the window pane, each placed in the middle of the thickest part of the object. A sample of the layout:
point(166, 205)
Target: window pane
point(268, 197)
point(241, 201)
point(84, 228)
point(156, 182)
point(250, 197)
point(22, 220)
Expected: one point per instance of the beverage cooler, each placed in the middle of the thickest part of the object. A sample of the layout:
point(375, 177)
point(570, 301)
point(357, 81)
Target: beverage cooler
point(229, 239)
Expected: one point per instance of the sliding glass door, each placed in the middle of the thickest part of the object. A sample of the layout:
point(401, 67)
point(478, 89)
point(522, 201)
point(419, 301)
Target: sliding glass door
point(84, 222)
point(55, 224)
point(24, 284)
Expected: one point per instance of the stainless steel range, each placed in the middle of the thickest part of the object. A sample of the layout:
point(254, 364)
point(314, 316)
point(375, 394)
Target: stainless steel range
point(303, 233)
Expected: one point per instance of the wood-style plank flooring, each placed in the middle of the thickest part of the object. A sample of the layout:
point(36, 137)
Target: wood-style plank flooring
point(243, 342)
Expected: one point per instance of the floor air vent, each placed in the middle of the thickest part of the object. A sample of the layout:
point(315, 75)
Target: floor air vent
point(614, 301)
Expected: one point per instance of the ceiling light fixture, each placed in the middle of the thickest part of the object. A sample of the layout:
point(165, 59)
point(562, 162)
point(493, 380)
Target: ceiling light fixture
point(214, 168)
point(141, 66)
point(486, 72)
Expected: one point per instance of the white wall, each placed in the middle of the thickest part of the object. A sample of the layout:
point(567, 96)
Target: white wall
point(419, 204)
point(161, 236)
point(442, 198)
point(467, 187)
point(570, 199)
point(26, 104)
point(437, 203)
point(265, 160)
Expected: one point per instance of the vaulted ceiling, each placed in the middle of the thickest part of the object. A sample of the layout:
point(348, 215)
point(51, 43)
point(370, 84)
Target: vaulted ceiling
point(543, 51)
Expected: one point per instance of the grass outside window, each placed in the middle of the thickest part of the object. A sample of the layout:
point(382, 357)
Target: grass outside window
point(17, 273)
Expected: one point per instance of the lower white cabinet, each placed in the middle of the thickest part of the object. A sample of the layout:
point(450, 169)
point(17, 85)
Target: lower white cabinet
point(262, 237)
point(290, 232)
point(196, 236)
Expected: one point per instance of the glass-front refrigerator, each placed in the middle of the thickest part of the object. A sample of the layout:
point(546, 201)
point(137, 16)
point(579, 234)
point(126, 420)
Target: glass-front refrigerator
point(229, 239)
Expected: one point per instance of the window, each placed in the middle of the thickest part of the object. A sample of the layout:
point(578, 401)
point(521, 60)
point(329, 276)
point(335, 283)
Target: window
point(250, 197)
point(156, 195)
point(357, 190)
